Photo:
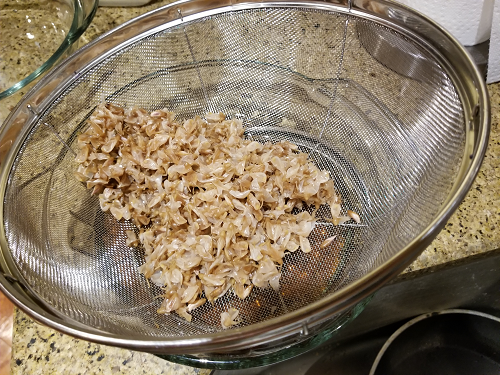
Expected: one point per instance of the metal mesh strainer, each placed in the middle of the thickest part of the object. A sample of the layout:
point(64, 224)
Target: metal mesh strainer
point(396, 139)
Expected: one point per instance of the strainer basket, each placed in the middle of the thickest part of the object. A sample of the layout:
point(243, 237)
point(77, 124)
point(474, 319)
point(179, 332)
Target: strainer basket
point(403, 132)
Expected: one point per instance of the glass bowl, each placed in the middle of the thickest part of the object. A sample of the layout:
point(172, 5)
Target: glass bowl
point(36, 35)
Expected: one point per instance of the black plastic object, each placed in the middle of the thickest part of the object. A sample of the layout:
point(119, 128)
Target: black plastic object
point(451, 342)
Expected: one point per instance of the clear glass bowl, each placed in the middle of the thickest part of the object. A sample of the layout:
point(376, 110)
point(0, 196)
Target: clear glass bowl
point(36, 35)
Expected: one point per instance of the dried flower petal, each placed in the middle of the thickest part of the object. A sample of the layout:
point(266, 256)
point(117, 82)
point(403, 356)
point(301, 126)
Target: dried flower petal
point(327, 242)
point(353, 215)
point(229, 317)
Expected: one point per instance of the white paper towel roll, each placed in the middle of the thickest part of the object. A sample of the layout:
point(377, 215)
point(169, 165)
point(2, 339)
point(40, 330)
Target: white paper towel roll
point(467, 20)
point(494, 55)
point(470, 21)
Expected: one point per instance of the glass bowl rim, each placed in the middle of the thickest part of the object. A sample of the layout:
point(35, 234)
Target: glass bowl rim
point(78, 26)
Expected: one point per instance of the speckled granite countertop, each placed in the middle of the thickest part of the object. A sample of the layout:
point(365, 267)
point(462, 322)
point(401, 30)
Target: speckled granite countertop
point(38, 350)
point(473, 229)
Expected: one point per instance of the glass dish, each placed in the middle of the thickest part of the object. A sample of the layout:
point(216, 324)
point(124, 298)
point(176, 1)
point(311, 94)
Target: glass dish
point(36, 35)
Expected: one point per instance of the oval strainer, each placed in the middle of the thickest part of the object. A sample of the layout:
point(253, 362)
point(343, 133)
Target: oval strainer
point(403, 143)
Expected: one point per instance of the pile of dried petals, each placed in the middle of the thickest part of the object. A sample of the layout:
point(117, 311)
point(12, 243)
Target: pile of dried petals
point(214, 210)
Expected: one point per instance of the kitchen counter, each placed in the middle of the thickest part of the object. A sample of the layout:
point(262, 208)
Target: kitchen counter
point(473, 229)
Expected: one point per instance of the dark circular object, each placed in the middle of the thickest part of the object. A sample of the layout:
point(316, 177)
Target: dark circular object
point(454, 342)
